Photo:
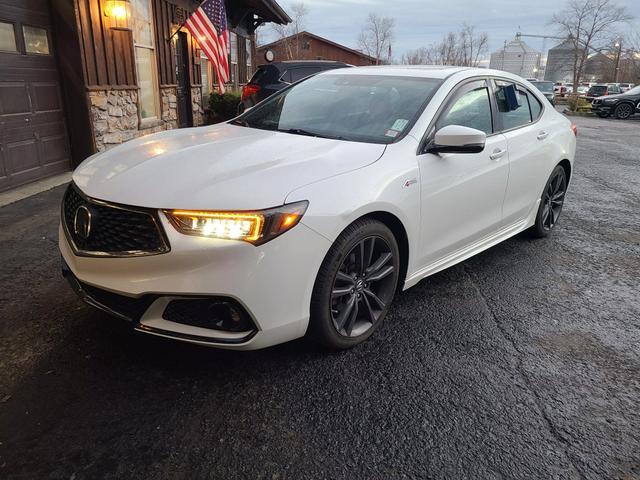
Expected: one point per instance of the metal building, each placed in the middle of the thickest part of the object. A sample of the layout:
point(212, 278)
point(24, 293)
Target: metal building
point(560, 62)
point(517, 57)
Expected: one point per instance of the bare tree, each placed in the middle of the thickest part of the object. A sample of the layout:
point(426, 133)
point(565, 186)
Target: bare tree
point(376, 36)
point(587, 24)
point(463, 48)
point(289, 33)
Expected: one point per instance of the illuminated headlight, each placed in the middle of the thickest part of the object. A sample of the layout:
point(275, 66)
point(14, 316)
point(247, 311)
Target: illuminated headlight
point(254, 227)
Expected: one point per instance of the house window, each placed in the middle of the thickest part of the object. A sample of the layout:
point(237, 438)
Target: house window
point(145, 58)
point(233, 66)
point(205, 68)
point(7, 37)
point(249, 69)
point(35, 40)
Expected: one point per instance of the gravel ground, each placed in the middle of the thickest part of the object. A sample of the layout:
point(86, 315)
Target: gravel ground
point(523, 362)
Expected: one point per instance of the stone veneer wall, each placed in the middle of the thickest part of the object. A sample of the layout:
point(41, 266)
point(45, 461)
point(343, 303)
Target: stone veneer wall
point(197, 107)
point(114, 114)
point(169, 107)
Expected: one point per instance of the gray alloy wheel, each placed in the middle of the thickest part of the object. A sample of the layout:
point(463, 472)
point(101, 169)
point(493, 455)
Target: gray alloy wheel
point(623, 111)
point(551, 203)
point(355, 285)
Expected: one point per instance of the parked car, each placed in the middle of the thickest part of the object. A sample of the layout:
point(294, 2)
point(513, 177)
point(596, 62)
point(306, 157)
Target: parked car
point(273, 77)
point(547, 90)
point(625, 87)
point(622, 106)
point(601, 90)
point(560, 89)
point(583, 89)
point(307, 213)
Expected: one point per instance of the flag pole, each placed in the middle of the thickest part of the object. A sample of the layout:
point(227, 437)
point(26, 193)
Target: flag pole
point(177, 30)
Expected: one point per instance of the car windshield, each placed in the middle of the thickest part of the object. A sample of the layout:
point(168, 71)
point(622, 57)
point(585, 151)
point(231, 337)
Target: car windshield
point(361, 108)
point(546, 87)
point(598, 90)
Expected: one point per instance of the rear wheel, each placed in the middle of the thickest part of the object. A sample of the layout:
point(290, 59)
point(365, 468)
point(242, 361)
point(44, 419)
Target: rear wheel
point(355, 285)
point(551, 203)
point(623, 111)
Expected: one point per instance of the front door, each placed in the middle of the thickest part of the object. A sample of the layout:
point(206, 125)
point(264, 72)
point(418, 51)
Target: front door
point(33, 138)
point(462, 194)
point(183, 94)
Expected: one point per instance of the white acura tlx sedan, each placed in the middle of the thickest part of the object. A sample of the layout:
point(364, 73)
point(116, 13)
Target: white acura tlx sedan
point(309, 212)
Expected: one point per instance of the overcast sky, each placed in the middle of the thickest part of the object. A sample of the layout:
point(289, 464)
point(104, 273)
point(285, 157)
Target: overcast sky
point(422, 22)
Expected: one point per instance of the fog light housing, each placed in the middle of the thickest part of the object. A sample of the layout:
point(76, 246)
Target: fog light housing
point(216, 313)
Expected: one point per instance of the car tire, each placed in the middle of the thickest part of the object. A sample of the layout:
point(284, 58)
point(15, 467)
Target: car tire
point(348, 304)
point(551, 203)
point(623, 111)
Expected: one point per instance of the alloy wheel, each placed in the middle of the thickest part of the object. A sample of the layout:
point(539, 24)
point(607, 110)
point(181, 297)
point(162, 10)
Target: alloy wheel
point(363, 286)
point(553, 199)
point(624, 111)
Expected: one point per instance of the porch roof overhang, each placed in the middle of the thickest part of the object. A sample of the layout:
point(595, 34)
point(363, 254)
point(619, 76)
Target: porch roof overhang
point(265, 11)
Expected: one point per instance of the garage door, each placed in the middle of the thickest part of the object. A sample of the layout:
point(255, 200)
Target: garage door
point(33, 140)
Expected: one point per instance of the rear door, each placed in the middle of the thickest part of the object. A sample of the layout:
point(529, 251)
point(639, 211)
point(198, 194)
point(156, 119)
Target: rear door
point(462, 194)
point(529, 150)
point(33, 139)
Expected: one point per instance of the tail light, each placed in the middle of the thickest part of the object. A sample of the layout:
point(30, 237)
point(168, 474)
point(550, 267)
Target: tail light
point(574, 129)
point(249, 89)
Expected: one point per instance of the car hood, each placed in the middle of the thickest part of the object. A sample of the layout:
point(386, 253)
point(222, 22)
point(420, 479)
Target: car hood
point(225, 167)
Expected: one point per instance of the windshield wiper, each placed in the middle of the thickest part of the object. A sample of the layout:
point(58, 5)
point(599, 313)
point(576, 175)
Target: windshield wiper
point(242, 123)
point(301, 131)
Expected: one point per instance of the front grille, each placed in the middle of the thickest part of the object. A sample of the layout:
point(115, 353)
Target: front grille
point(113, 230)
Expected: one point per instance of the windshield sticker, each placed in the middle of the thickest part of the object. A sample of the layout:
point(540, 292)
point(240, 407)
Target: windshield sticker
point(391, 133)
point(400, 124)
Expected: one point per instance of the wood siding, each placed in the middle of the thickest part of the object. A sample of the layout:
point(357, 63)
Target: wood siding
point(311, 48)
point(163, 18)
point(107, 53)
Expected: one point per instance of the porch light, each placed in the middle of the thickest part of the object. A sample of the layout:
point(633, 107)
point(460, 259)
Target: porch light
point(118, 12)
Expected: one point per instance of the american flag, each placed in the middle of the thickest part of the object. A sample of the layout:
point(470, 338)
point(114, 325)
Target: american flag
point(208, 24)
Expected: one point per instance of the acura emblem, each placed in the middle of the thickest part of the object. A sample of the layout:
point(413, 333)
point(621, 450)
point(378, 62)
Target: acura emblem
point(82, 222)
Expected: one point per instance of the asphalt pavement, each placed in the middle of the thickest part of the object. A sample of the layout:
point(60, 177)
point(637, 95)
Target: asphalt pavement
point(522, 362)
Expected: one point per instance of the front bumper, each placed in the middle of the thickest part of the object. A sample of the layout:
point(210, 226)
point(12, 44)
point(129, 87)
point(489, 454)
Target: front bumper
point(601, 108)
point(273, 283)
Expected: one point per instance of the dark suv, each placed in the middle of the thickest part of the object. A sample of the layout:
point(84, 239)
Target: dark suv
point(273, 77)
point(622, 106)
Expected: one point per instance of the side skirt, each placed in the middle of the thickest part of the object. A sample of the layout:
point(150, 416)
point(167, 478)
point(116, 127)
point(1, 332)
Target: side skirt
point(473, 249)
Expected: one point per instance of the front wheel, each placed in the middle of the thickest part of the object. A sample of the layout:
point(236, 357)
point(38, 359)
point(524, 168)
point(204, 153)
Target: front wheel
point(355, 285)
point(550, 203)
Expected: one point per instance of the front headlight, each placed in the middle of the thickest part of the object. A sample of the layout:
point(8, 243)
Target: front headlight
point(610, 100)
point(255, 227)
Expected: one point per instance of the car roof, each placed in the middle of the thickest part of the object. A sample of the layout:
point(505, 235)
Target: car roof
point(426, 71)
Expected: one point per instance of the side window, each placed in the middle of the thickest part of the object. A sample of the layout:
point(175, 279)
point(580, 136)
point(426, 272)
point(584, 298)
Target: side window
point(302, 72)
point(473, 110)
point(535, 105)
point(513, 118)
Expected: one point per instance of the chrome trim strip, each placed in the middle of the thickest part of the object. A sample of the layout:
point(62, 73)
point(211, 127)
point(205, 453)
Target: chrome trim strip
point(165, 248)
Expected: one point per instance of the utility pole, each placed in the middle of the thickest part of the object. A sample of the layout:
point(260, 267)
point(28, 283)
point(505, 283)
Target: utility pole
point(616, 74)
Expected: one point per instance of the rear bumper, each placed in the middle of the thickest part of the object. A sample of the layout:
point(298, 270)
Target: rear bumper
point(272, 283)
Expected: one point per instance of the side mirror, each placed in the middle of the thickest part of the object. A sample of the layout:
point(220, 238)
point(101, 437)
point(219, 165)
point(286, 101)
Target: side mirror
point(457, 139)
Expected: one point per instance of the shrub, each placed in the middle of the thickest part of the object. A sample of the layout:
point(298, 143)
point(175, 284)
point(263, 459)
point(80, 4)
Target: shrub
point(576, 103)
point(222, 107)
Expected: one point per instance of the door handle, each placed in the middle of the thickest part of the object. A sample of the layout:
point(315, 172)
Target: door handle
point(497, 154)
point(542, 135)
